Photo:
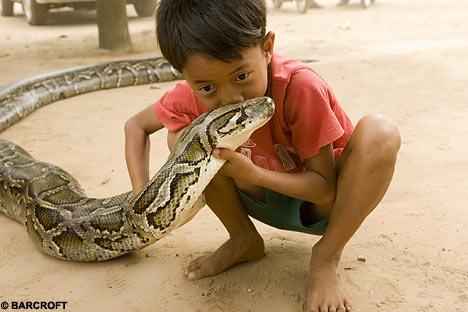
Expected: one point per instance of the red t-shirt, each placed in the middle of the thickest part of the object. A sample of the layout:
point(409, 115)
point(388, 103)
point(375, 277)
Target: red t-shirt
point(307, 117)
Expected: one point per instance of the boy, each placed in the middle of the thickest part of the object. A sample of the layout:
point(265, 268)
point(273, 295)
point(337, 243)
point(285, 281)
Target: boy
point(306, 170)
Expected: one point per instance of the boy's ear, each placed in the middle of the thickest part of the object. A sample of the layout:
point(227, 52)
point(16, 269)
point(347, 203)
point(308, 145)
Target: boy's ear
point(268, 44)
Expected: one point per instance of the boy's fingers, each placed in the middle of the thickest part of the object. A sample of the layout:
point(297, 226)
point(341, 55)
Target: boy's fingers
point(216, 152)
point(224, 153)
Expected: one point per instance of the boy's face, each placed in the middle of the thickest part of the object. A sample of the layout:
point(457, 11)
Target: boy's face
point(216, 82)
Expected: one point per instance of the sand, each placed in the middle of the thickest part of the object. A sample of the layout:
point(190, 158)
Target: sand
point(403, 59)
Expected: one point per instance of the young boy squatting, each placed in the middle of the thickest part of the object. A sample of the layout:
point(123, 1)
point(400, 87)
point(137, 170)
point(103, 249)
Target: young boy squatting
point(308, 169)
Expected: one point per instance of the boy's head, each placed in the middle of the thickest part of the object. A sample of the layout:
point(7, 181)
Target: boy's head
point(220, 47)
point(217, 28)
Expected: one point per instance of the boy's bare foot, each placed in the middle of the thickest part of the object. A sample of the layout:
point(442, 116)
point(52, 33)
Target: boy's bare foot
point(233, 251)
point(325, 294)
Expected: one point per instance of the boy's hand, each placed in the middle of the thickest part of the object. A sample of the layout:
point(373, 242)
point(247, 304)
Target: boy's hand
point(237, 166)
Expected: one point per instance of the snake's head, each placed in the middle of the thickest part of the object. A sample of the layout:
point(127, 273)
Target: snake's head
point(229, 126)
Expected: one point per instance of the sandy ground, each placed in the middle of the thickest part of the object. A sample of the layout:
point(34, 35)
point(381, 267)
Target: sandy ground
point(404, 59)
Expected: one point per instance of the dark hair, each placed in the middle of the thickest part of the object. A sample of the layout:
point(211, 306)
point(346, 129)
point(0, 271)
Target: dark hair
point(216, 28)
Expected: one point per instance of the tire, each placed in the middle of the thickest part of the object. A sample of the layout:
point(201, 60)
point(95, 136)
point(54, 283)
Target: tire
point(277, 3)
point(145, 8)
point(7, 7)
point(36, 14)
point(302, 5)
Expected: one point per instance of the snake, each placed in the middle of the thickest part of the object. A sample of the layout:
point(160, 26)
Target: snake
point(61, 220)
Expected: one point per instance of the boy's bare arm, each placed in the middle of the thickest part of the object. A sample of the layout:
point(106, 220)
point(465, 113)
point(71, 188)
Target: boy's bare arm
point(316, 184)
point(137, 145)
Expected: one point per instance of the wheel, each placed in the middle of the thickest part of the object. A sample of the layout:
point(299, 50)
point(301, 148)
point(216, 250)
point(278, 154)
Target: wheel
point(277, 3)
point(36, 13)
point(302, 5)
point(7, 7)
point(145, 8)
point(343, 2)
point(366, 3)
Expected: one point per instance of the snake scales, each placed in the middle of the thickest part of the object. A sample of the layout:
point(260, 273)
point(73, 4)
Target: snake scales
point(61, 220)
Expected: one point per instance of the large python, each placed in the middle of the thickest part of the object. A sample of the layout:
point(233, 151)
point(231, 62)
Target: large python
point(66, 224)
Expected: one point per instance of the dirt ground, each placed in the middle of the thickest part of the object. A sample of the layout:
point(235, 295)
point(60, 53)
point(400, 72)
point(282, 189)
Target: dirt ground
point(403, 59)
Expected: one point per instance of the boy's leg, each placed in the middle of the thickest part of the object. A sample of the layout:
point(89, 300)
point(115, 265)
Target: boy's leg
point(365, 170)
point(244, 242)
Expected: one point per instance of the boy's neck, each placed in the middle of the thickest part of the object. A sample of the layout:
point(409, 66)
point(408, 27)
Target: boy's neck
point(268, 90)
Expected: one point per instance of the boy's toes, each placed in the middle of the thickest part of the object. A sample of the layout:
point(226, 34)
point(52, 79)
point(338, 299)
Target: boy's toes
point(323, 308)
point(347, 306)
point(194, 275)
point(194, 265)
point(313, 307)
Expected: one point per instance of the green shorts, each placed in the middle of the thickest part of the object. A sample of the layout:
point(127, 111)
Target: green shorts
point(280, 211)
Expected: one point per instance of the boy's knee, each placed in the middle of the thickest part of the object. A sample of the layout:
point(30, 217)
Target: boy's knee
point(220, 182)
point(217, 189)
point(379, 137)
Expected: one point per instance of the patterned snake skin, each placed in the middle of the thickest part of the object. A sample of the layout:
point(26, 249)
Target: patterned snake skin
point(66, 224)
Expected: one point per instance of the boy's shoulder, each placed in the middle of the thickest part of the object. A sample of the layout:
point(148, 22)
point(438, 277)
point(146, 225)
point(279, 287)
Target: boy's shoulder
point(178, 106)
point(181, 90)
point(180, 97)
point(287, 71)
point(283, 68)
point(290, 75)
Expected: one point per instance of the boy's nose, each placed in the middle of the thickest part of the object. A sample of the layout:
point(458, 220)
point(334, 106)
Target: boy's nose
point(230, 97)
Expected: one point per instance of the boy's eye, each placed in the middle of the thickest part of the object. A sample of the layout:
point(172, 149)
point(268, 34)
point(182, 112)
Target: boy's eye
point(242, 76)
point(207, 89)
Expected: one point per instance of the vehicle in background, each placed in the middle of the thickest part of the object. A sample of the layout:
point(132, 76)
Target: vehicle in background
point(364, 3)
point(36, 10)
point(303, 5)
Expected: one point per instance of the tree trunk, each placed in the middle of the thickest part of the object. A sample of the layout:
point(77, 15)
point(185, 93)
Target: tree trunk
point(112, 24)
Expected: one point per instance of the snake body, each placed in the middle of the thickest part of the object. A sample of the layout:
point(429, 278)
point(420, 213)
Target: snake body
point(61, 220)
point(27, 95)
